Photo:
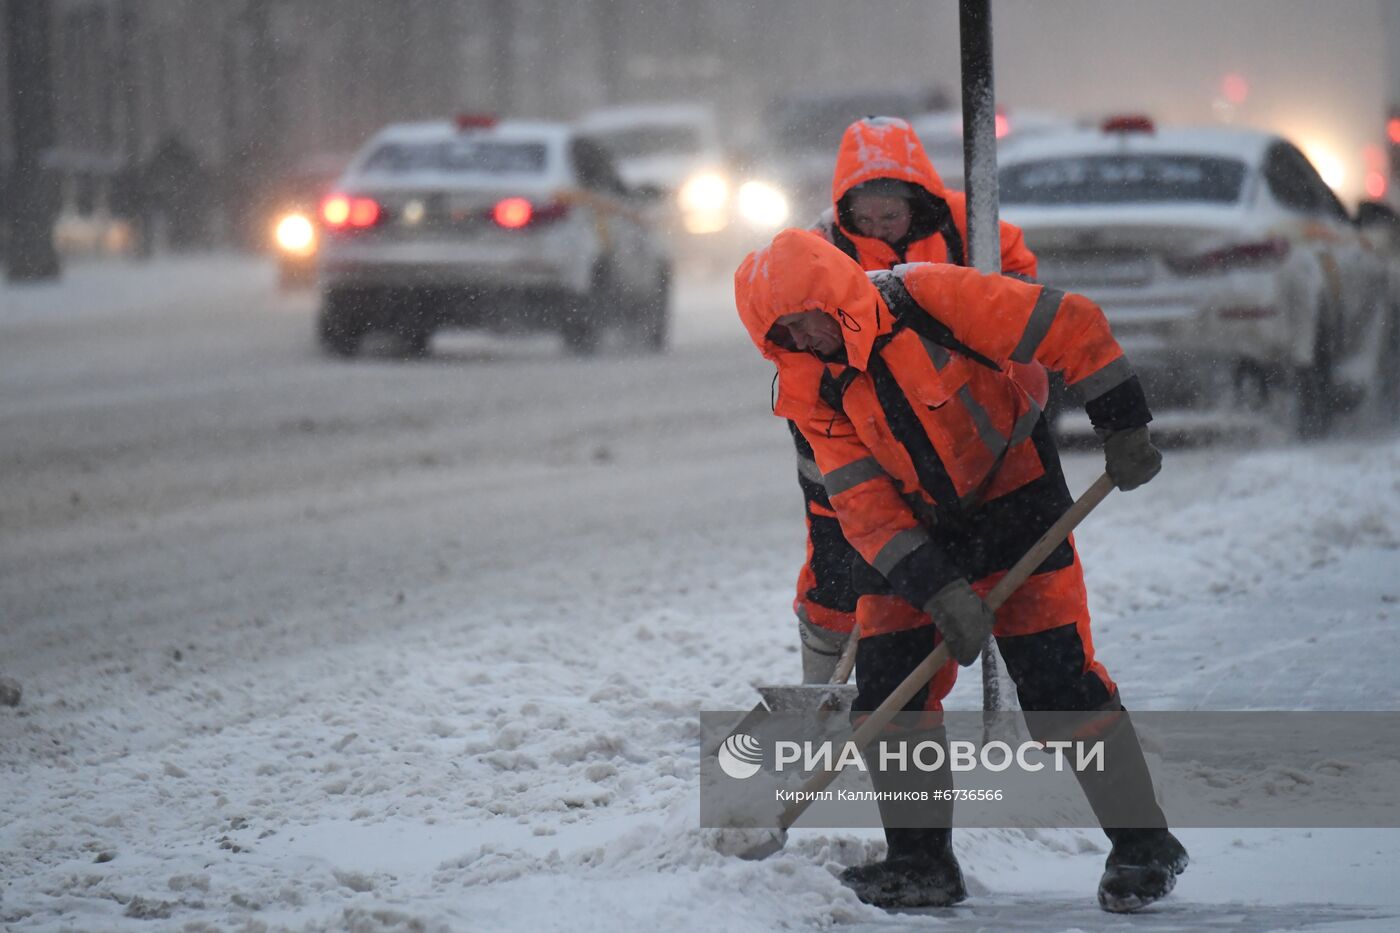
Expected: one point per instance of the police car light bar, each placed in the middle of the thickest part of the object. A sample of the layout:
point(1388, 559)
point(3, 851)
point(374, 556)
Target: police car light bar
point(1136, 123)
point(475, 121)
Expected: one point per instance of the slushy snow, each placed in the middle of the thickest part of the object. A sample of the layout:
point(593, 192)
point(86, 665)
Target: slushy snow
point(520, 751)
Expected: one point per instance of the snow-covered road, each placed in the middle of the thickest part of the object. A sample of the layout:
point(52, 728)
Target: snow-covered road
point(383, 645)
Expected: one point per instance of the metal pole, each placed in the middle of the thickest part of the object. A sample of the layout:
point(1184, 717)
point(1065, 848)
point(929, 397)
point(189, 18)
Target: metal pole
point(983, 227)
point(32, 198)
point(979, 135)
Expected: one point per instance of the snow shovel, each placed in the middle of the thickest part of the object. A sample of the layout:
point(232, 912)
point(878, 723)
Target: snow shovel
point(834, 696)
point(922, 674)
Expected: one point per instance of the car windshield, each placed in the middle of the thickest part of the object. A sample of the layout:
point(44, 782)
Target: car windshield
point(483, 157)
point(640, 141)
point(1123, 178)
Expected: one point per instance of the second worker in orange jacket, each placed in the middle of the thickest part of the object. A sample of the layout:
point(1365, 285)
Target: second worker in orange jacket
point(889, 206)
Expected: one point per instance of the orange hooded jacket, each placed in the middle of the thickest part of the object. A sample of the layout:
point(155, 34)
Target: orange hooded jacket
point(905, 429)
point(888, 148)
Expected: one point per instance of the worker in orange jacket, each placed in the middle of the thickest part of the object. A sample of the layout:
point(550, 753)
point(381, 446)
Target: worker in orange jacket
point(942, 474)
point(889, 206)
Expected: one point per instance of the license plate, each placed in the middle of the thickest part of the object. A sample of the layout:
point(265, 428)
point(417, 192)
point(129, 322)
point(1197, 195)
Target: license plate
point(1091, 271)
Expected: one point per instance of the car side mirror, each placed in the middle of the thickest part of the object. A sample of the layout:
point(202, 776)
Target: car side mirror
point(1375, 214)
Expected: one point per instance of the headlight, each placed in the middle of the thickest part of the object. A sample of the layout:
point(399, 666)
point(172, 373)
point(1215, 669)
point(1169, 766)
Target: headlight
point(295, 234)
point(704, 193)
point(703, 200)
point(762, 204)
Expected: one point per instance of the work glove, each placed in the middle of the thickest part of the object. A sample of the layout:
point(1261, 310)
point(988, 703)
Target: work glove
point(1129, 457)
point(963, 618)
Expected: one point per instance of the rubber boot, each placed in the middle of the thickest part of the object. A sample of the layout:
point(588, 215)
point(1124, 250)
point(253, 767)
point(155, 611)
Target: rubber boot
point(1141, 868)
point(1146, 858)
point(920, 869)
point(821, 652)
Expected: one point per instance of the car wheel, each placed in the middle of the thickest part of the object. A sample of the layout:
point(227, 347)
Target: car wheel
point(583, 321)
point(652, 325)
point(1314, 402)
point(408, 317)
point(580, 331)
point(414, 342)
point(343, 321)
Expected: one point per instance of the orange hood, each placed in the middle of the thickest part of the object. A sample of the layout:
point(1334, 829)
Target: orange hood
point(882, 147)
point(800, 271)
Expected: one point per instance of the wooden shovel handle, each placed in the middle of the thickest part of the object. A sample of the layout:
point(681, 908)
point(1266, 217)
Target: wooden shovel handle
point(847, 661)
point(1055, 534)
point(922, 674)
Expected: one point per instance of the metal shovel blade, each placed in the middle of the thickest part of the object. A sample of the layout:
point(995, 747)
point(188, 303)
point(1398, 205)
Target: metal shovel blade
point(808, 698)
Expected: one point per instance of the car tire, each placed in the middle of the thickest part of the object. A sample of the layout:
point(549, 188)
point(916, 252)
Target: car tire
point(1314, 401)
point(583, 320)
point(652, 323)
point(343, 322)
point(413, 343)
point(409, 318)
point(580, 332)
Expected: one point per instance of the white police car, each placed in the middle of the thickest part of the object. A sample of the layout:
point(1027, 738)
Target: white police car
point(1225, 264)
point(513, 226)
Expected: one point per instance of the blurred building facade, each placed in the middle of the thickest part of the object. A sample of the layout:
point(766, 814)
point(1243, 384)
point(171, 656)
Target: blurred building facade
point(186, 110)
point(193, 106)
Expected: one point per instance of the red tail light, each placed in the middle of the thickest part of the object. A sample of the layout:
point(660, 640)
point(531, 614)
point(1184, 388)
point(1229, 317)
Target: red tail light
point(514, 213)
point(340, 211)
point(1376, 184)
point(364, 212)
point(1241, 256)
point(555, 210)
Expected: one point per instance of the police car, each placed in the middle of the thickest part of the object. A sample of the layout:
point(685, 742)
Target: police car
point(512, 225)
point(1228, 269)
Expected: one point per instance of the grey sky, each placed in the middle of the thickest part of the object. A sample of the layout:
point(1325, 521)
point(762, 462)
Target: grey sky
point(1316, 71)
